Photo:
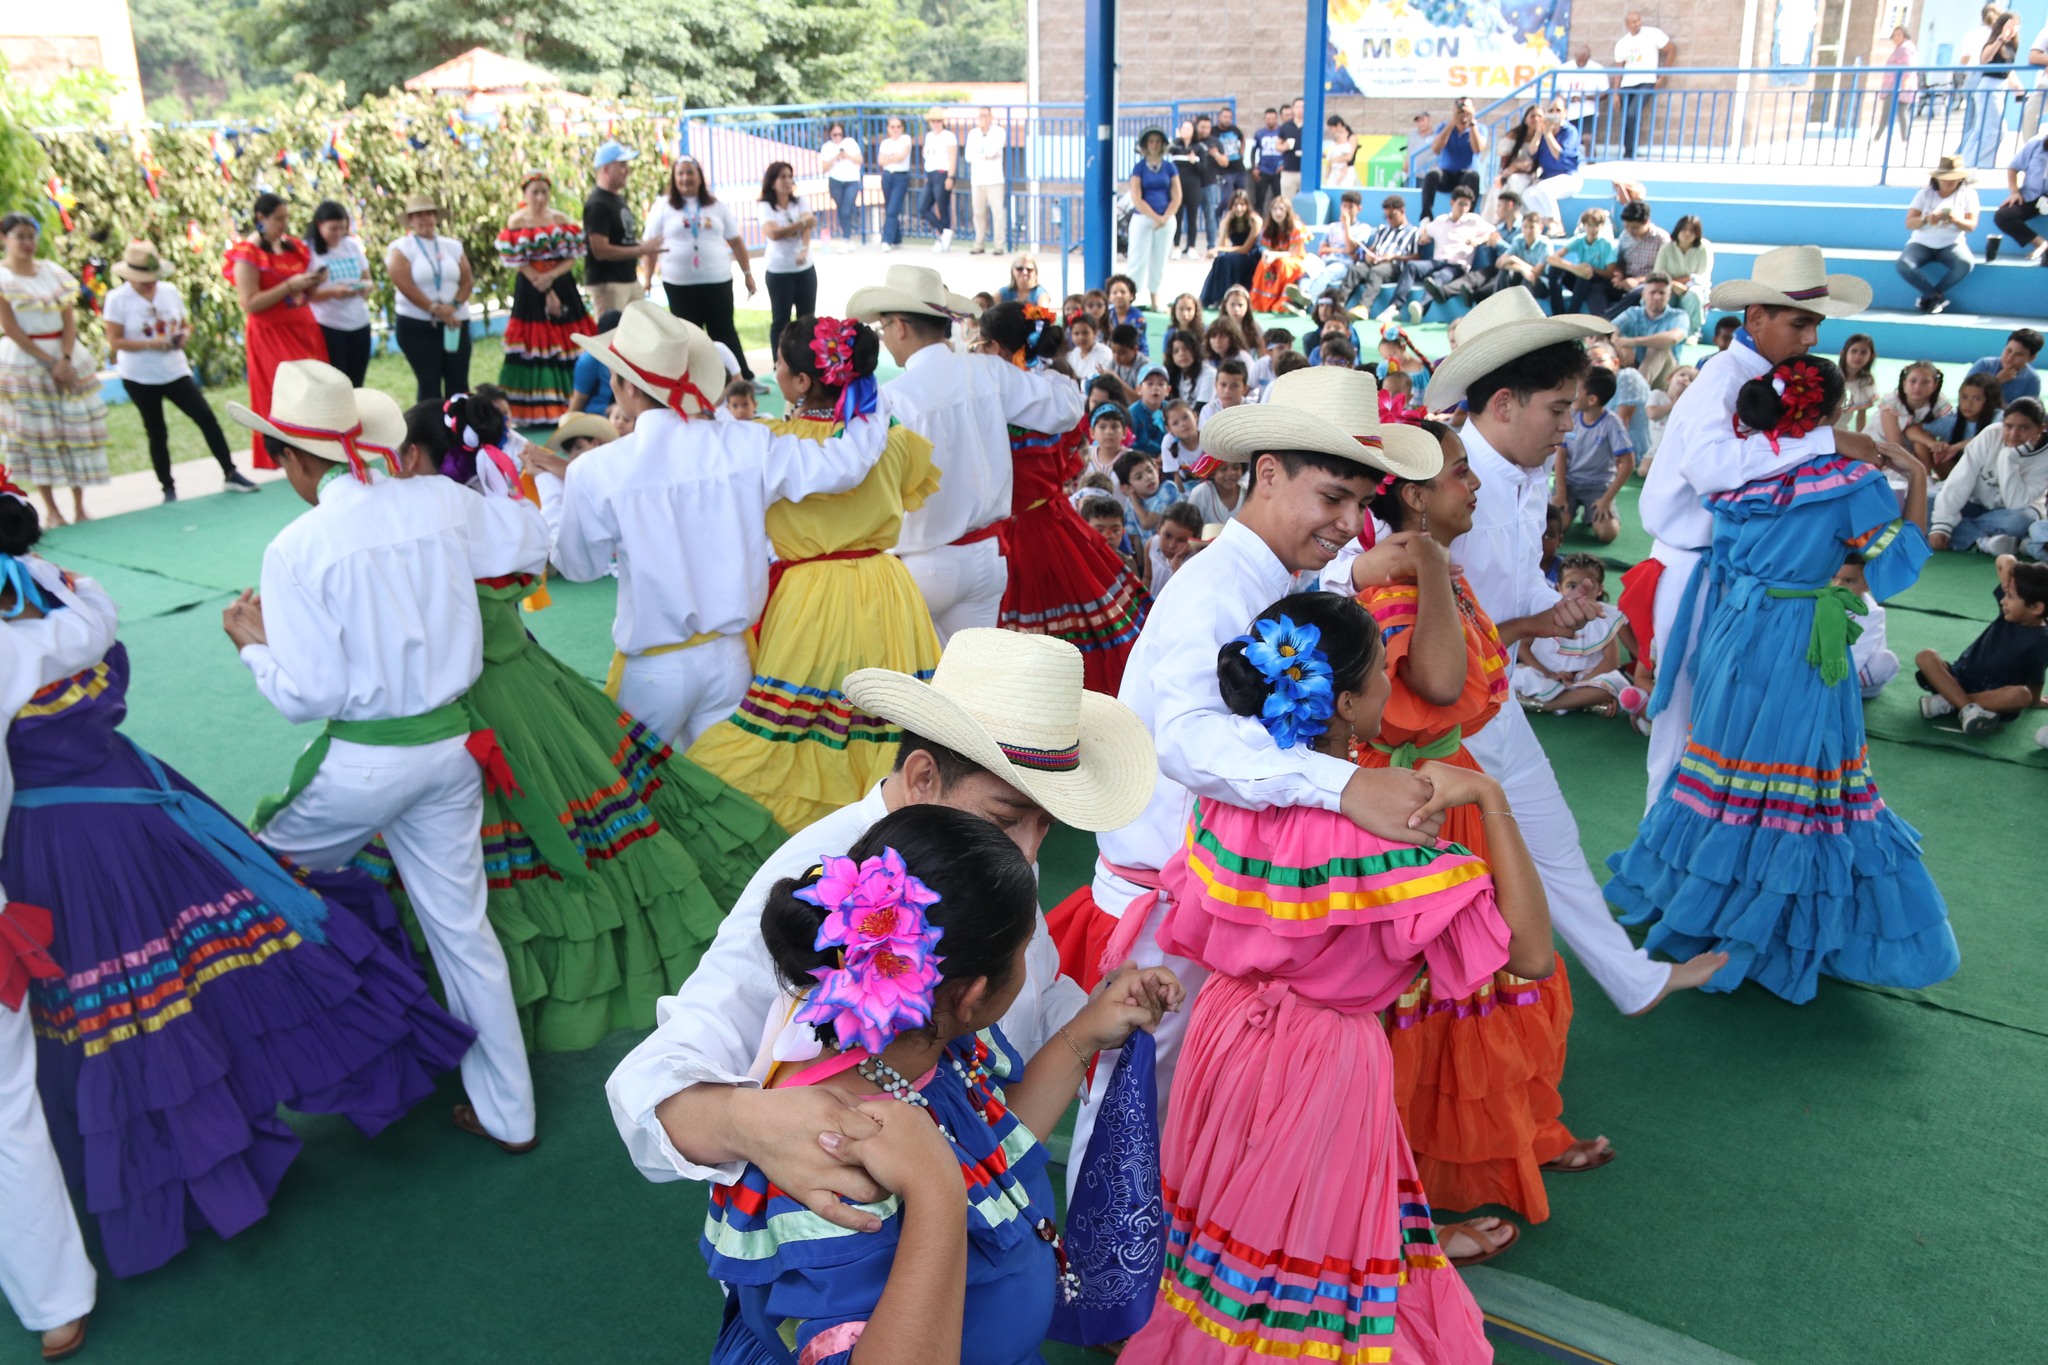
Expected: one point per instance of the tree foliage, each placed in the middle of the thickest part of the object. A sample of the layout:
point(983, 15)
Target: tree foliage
point(193, 55)
point(965, 40)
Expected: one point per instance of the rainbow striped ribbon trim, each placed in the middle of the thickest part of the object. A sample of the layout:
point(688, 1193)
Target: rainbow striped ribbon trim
point(1043, 760)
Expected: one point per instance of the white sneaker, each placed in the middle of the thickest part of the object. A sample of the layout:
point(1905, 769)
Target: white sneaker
point(1414, 312)
point(2041, 736)
point(1934, 708)
point(888, 246)
point(946, 240)
point(1385, 314)
point(1998, 545)
point(1978, 722)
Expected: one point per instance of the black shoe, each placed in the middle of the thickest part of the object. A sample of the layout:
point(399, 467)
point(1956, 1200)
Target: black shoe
point(170, 496)
point(1435, 290)
point(1920, 304)
point(238, 482)
point(1937, 304)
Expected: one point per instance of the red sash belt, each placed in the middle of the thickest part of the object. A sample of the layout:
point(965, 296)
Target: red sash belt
point(1638, 602)
point(25, 933)
point(998, 531)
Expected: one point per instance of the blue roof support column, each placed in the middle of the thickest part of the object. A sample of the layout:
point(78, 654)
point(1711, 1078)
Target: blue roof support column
point(1098, 130)
point(1317, 45)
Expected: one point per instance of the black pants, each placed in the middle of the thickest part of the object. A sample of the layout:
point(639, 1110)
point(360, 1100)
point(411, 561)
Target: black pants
point(710, 307)
point(1442, 182)
point(2015, 221)
point(1268, 190)
point(349, 352)
point(1570, 294)
point(184, 395)
point(438, 373)
point(791, 294)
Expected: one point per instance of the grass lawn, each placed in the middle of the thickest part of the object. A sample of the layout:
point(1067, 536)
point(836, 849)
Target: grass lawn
point(128, 449)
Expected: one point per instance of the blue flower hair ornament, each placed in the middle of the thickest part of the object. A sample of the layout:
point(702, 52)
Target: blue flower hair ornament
point(1301, 696)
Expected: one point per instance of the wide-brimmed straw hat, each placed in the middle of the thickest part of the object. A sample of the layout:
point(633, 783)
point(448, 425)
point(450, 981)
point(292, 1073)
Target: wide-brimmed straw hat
point(662, 355)
point(383, 424)
point(1951, 167)
point(140, 263)
point(313, 408)
point(909, 289)
point(1793, 277)
point(1016, 706)
point(581, 424)
point(1328, 410)
point(1506, 327)
point(419, 203)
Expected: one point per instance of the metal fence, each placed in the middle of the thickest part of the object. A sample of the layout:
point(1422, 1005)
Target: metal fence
point(1884, 118)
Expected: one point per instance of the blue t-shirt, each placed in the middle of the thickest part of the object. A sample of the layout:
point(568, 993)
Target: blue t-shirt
point(1592, 448)
point(592, 379)
point(1565, 161)
point(2025, 384)
point(1632, 390)
point(1535, 250)
point(1598, 253)
point(1268, 141)
point(1230, 142)
point(1456, 157)
point(1148, 428)
point(1166, 495)
point(1637, 323)
point(1156, 185)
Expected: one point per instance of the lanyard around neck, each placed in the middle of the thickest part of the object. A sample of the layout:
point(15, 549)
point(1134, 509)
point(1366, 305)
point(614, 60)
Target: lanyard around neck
point(430, 249)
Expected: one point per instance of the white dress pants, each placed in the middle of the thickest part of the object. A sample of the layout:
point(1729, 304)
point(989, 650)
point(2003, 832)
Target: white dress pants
point(962, 584)
point(1508, 749)
point(681, 694)
point(427, 801)
point(43, 1268)
point(1671, 728)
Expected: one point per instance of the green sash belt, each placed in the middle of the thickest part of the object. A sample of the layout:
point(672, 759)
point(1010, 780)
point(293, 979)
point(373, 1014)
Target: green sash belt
point(544, 827)
point(1827, 648)
point(1409, 754)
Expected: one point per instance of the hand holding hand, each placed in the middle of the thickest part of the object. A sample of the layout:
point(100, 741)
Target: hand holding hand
point(800, 1139)
point(1134, 998)
point(906, 1154)
point(1464, 786)
point(1394, 803)
point(243, 620)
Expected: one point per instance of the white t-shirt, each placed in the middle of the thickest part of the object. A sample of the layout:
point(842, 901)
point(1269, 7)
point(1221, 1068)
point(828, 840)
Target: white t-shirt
point(1636, 53)
point(848, 167)
point(436, 272)
point(941, 151)
point(1087, 364)
point(346, 264)
point(985, 155)
point(1582, 87)
point(894, 153)
point(697, 239)
point(1962, 203)
point(787, 254)
point(143, 320)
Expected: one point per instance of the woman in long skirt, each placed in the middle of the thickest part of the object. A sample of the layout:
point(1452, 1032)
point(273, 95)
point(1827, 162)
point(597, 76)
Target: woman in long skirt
point(541, 246)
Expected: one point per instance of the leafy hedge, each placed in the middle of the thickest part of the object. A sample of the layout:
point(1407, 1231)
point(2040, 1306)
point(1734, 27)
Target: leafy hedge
point(190, 191)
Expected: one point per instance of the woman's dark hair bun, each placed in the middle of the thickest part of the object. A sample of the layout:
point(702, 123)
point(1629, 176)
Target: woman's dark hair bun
point(1007, 326)
point(1759, 407)
point(1350, 641)
point(987, 906)
point(20, 527)
point(796, 348)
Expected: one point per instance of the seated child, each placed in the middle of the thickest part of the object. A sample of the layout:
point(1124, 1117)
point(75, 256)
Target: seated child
point(1278, 341)
point(1219, 497)
point(1148, 414)
point(1289, 362)
point(1088, 356)
point(737, 403)
point(1144, 492)
point(1126, 360)
point(1659, 411)
point(1179, 535)
point(1106, 388)
point(1233, 382)
point(1579, 672)
point(1183, 443)
point(1875, 664)
point(1106, 515)
point(1553, 541)
point(1091, 481)
point(1598, 458)
point(511, 442)
point(1999, 676)
point(1111, 430)
point(1336, 351)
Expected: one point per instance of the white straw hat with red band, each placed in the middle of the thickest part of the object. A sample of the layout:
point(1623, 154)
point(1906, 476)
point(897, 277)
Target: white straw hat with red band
point(313, 408)
point(662, 355)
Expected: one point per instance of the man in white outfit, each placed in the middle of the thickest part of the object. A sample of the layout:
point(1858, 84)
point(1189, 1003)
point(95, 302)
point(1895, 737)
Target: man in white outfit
point(368, 623)
point(1782, 305)
point(680, 506)
point(1518, 371)
point(965, 406)
point(44, 1273)
point(1004, 730)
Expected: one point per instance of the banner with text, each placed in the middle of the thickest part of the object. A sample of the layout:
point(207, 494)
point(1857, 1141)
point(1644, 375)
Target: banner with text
point(1430, 49)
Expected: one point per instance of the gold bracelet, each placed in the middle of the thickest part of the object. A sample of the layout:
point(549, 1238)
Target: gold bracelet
point(1072, 1046)
point(1508, 813)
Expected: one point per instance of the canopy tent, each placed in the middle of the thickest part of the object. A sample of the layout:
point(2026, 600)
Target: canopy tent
point(485, 80)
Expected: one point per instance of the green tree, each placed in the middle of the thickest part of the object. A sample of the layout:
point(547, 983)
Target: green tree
point(966, 40)
point(769, 51)
point(195, 59)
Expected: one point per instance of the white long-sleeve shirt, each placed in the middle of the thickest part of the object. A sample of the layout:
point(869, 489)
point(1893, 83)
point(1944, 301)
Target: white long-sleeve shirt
point(965, 405)
point(369, 598)
point(1170, 681)
point(682, 507)
point(1991, 474)
point(35, 653)
point(709, 1032)
point(1701, 454)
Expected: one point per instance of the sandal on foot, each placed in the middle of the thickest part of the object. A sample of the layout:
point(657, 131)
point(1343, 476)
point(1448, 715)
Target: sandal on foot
point(1492, 1250)
point(64, 1350)
point(466, 1119)
point(1559, 1166)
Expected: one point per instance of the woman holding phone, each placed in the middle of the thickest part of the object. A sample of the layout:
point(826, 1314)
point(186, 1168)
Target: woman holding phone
point(274, 277)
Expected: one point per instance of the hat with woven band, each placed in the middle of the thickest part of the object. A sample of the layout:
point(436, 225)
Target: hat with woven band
point(1504, 328)
point(1794, 277)
point(909, 289)
point(1329, 410)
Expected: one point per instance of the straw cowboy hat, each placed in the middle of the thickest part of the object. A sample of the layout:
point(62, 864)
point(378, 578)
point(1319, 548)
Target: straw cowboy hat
point(1506, 327)
point(585, 424)
point(1951, 167)
point(661, 355)
point(1015, 705)
point(909, 289)
point(312, 408)
point(1794, 277)
point(420, 203)
point(383, 425)
point(140, 263)
point(1330, 411)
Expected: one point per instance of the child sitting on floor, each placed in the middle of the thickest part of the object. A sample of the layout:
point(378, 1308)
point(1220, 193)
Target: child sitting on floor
point(1179, 535)
point(1999, 676)
point(1144, 493)
point(1278, 341)
point(1106, 515)
point(1553, 541)
point(1580, 672)
point(737, 402)
point(1233, 382)
point(1874, 662)
point(1111, 430)
point(1183, 444)
point(1148, 414)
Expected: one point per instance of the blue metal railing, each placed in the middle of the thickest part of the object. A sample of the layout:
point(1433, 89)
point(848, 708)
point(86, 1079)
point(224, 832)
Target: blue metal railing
point(1877, 117)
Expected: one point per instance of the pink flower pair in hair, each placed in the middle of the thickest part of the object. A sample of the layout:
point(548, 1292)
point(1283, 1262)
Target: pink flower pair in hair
point(888, 972)
point(832, 347)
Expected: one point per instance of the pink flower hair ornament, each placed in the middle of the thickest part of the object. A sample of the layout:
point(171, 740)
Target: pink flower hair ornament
point(888, 972)
point(832, 342)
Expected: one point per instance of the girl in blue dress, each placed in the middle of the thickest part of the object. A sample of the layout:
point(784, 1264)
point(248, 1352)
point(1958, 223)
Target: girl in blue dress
point(1770, 842)
point(898, 961)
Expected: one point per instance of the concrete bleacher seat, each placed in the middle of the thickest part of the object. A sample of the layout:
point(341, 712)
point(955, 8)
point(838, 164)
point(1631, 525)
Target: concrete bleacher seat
point(1860, 227)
